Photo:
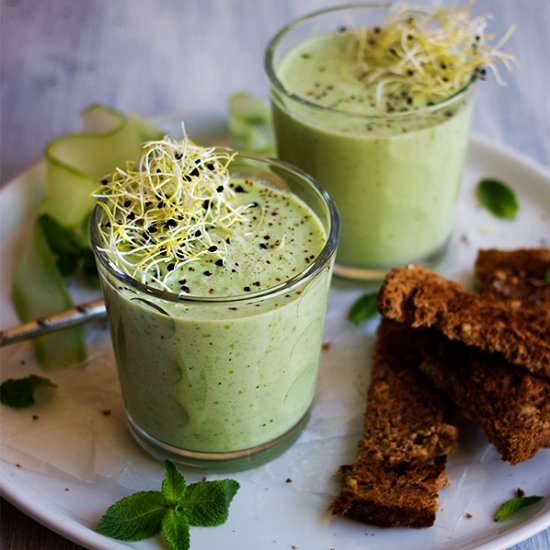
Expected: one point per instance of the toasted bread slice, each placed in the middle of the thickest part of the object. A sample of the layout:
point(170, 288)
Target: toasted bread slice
point(405, 496)
point(511, 405)
point(516, 275)
point(405, 417)
point(420, 298)
point(392, 483)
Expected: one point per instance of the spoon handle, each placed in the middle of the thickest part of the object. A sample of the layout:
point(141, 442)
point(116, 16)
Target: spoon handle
point(52, 323)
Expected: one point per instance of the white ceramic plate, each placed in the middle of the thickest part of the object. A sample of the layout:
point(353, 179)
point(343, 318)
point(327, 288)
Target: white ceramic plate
point(64, 468)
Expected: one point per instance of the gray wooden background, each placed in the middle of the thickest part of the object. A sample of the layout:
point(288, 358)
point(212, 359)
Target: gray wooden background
point(182, 56)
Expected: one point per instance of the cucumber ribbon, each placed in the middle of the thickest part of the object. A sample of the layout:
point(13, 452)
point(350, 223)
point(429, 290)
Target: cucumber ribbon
point(59, 240)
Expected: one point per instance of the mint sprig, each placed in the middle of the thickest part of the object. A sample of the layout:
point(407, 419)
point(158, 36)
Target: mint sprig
point(19, 393)
point(170, 511)
point(514, 505)
point(363, 309)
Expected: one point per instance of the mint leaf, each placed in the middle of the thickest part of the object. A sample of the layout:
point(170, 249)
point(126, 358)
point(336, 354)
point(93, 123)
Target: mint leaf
point(206, 503)
point(173, 486)
point(363, 309)
point(136, 517)
point(498, 198)
point(175, 529)
point(514, 505)
point(24, 392)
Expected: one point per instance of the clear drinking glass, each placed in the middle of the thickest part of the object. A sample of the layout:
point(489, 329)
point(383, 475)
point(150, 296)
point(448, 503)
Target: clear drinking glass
point(222, 382)
point(395, 176)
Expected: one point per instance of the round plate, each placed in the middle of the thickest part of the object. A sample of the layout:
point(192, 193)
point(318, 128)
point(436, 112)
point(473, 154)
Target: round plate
point(68, 465)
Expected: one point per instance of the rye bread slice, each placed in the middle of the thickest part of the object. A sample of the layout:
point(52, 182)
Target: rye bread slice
point(405, 496)
point(510, 404)
point(391, 483)
point(421, 298)
point(516, 275)
point(405, 417)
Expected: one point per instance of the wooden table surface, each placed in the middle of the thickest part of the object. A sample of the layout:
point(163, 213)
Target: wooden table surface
point(182, 56)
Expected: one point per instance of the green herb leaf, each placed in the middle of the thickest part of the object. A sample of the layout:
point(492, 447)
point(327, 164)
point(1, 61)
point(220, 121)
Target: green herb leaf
point(514, 505)
point(175, 529)
point(206, 503)
point(498, 198)
point(24, 392)
point(173, 486)
point(363, 309)
point(136, 517)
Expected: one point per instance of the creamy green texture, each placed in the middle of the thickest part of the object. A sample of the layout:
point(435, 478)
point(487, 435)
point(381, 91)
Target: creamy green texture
point(393, 169)
point(224, 377)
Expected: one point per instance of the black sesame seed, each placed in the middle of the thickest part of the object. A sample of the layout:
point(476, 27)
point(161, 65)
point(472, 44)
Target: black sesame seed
point(171, 267)
point(410, 72)
point(213, 248)
point(257, 283)
point(148, 203)
point(267, 237)
point(246, 289)
point(206, 204)
point(152, 228)
point(263, 246)
point(194, 172)
point(239, 189)
point(219, 189)
point(127, 203)
point(104, 182)
point(207, 273)
point(198, 233)
point(178, 156)
point(182, 281)
point(184, 288)
point(171, 223)
point(254, 205)
point(219, 263)
point(131, 216)
point(210, 166)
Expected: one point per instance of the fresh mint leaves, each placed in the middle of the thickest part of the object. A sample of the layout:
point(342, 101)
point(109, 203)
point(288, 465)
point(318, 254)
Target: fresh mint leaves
point(498, 198)
point(363, 309)
point(175, 529)
point(170, 511)
point(136, 517)
point(207, 504)
point(514, 505)
point(173, 486)
point(24, 392)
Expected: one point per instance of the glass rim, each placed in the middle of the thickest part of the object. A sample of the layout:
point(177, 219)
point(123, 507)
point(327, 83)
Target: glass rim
point(313, 269)
point(269, 67)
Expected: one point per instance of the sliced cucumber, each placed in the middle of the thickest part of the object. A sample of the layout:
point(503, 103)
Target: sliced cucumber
point(76, 162)
point(38, 290)
point(249, 124)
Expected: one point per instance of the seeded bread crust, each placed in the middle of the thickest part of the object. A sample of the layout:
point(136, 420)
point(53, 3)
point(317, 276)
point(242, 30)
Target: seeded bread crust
point(391, 483)
point(511, 405)
point(516, 275)
point(405, 417)
point(420, 298)
point(402, 497)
